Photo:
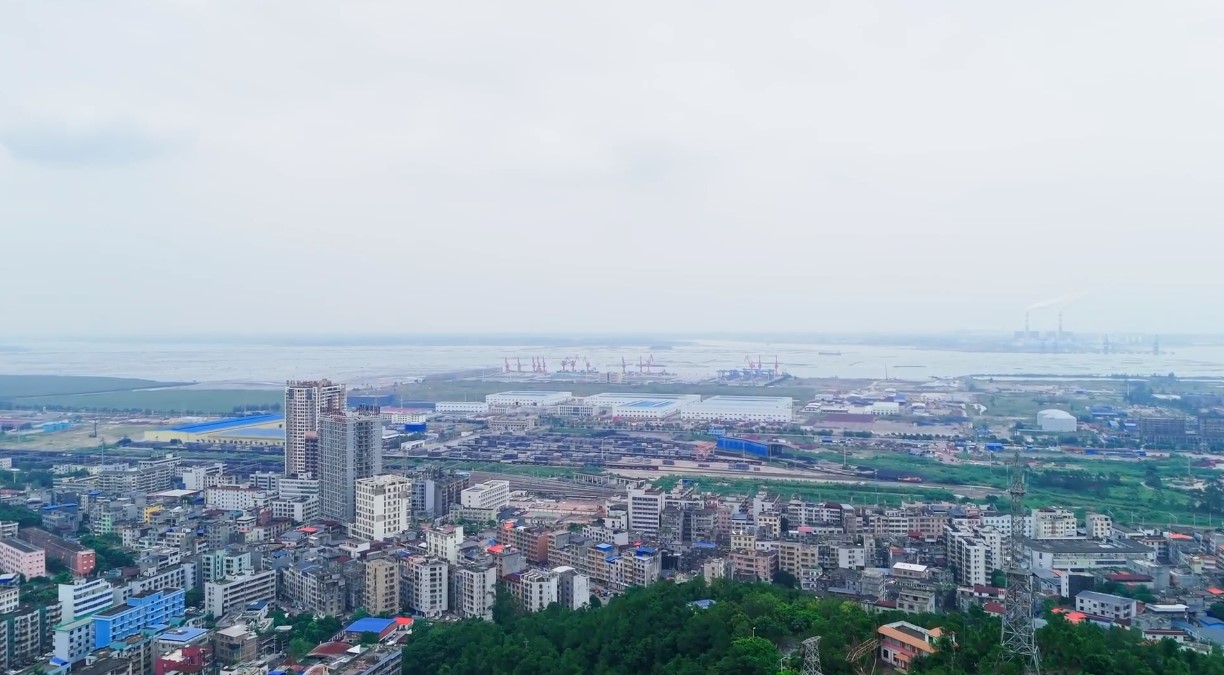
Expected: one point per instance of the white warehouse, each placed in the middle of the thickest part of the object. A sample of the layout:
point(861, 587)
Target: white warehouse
point(527, 399)
point(613, 400)
point(1059, 421)
point(741, 409)
point(461, 407)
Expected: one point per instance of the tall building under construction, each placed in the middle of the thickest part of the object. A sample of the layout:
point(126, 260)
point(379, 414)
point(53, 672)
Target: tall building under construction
point(305, 402)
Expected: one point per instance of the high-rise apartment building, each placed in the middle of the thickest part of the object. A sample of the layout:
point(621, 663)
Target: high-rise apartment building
point(305, 402)
point(382, 506)
point(382, 591)
point(1054, 523)
point(645, 510)
point(427, 585)
point(444, 542)
point(473, 590)
point(350, 447)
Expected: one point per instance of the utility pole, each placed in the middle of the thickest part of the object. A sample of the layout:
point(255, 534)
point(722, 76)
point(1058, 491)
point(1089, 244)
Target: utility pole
point(1019, 636)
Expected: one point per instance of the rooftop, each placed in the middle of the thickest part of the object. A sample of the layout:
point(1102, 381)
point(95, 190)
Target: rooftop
point(228, 423)
point(1103, 597)
point(1083, 546)
point(184, 634)
point(24, 547)
point(532, 394)
point(369, 625)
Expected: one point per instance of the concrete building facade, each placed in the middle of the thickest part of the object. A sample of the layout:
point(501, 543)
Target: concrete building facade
point(383, 506)
point(305, 402)
point(350, 447)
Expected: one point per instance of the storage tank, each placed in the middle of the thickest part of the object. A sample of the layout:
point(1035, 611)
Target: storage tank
point(1056, 421)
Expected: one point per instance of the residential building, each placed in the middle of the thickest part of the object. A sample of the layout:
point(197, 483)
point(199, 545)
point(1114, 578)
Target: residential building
point(1100, 526)
point(235, 644)
point(74, 640)
point(755, 565)
point(350, 447)
point(645, 510)
point(26, 635)
point(305, 402)
point(202, 477)
point(10, 599)
point(534, 542)
point(317, 586)
point(382, 592)
point(227, 563)
point(382, 507)
point(1104, 604)
point(427, 585)
point(534, 589)
point(918, 521)
point(916, 599)
point(443, 542)
point(220, 597)
point(78, 559)
point(901, 643)
point(973, 553)
point(491, 495)
point(21, 557)
point(573, 589)
point(140, 612)
point(1054, 523)
point(234, 498)
point(83, 598)
point(298, 509)
point(155, 475)
point(473, 590)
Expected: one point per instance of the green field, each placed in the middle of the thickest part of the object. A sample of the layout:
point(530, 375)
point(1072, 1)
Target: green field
point(25, 386)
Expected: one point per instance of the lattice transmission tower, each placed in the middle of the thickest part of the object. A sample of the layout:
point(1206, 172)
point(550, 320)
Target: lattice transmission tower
point(811, 656)
point(1019, 633)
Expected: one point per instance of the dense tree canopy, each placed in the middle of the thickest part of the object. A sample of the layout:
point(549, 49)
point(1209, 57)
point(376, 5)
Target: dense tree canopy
point(753, 629)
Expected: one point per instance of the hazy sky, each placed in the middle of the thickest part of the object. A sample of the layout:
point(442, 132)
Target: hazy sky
point(522, 166)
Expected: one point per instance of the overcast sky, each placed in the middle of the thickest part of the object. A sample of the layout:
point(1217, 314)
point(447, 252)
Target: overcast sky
point(521, 166)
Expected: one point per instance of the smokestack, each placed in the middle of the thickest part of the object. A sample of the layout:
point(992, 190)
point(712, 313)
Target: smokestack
point(1026, 324)
point(1060, 325)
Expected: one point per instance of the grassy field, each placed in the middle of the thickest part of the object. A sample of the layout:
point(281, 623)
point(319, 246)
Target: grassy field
point(475, 390)
point(24, 386)
point(164, 401)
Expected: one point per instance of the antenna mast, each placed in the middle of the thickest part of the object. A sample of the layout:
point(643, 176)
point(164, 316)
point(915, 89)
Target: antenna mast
point(1019, 635)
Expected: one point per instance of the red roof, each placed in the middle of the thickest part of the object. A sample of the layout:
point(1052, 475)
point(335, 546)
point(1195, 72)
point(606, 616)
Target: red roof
point(1128, 577)
point(993, 608)
point(330, 649)
point(979, 589)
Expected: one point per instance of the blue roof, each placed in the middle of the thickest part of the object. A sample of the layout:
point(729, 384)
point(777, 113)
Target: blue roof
point(228, 423)
point(645, 550)
point(184, 634)
point(369, 624)
point(703, 604)
point(603, 547)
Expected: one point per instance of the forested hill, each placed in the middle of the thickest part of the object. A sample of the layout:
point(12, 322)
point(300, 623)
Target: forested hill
point(655, 630)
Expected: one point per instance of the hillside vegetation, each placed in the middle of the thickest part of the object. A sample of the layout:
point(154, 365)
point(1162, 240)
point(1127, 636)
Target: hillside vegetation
point(750, 630)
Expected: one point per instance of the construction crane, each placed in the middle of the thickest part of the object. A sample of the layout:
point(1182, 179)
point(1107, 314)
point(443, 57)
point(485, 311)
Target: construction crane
point(519, 361)
point(507, 365)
